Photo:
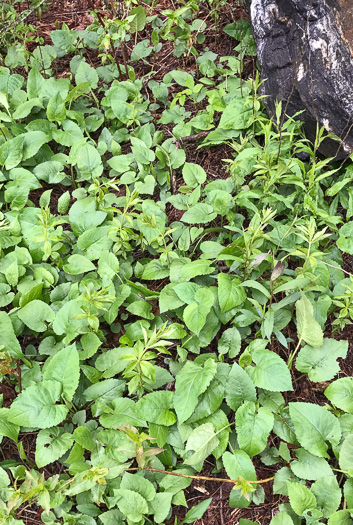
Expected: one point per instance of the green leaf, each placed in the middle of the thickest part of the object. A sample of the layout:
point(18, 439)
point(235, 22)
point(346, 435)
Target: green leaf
point(78, 264)
point(155, 270)
point(138, 484)
point(89, 162)
point(141, 308)
point(160, 506)
point(191, 381)
point(239, 387)
point(321, 363)
point(131, 504)
point(230, 294)
point(168, 299)
point(197, 511)
point(308, 328)
point(345, 239)
point(195, 314)
point(36, 406)
point(105, 391)
point(200, 213)
point(56, 111)
point(253, 427)
point(7, 337)
point(51, 444)
point(8, 429)
point(193, 174)
point(346, 453)
point(238, 464)
point(195, 268)
point(212, 398)
point(308, 466)
point(138, 21)
point(63, 367)
point(11, 152)
point(35, 313)
point(340, 393)
point(328, 495)
point(314, 425)
point(270, 372)
point(86, 74)
point(300, 498)
point(230, 342)
point(123, 414)
point(341, 517)
point(282, 518)
point(237, 115)
point(155, 408)
point(202, 442)
point(83, 438)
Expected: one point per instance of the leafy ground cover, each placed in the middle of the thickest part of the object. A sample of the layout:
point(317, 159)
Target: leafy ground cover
point(175, 287)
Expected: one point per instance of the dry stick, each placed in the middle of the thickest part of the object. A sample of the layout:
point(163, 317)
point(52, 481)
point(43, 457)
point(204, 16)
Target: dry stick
point(204, 478)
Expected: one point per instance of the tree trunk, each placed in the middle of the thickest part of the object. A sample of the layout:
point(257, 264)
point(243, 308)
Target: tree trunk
point(305, 50)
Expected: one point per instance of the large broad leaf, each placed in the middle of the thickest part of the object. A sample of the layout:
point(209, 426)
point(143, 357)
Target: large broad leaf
point(270, 372)
point(314, 426)
point(345, 240)
point(328, 495)
point(239, 387)
point(89, 162)
point(105, 391)
point(191, 381)
point(212, 398)
point(36, 314)
point(340, 393)
point(51, 444)
point(300, 498)
point(230, 294)
point(282, 518)
point(200, 213)
point(131, 504)
point(310, 467)
point(193, 174)
point(86, 74)
point(321, 363)
point(155, 408)
point(78, 264)
point(7, 337)
point(56, 111)
point(239, 464)
point(253, 427)
point(160, 506)
point(64, 368)
point(138, 19)
point(308, 328)
point(195, 313)
point(202, 443)
point(346, 453)
point(11, 152)
point(230, 342)
point(195, 268)
point(8, 429)
point(237, 115)
point(124, 414)
point(36, 406)
point(139, 484)
point(197, 511)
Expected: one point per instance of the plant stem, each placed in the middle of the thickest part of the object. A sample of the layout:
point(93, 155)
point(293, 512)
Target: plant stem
point(293, 354)
point(205, 478)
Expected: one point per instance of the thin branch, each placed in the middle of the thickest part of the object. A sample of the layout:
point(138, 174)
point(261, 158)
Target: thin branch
point(16, 22)
point(204, 478)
